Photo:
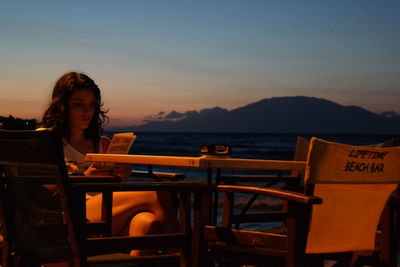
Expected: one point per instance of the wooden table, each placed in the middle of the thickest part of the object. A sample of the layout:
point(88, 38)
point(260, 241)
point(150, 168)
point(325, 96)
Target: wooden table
point(206, 162)
point(200, 162)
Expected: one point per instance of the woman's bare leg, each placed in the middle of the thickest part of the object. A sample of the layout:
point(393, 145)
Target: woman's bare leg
point(127, 204)
point(144, 223)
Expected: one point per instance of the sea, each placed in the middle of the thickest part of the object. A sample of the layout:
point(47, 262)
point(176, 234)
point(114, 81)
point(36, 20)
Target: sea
point(244, 145)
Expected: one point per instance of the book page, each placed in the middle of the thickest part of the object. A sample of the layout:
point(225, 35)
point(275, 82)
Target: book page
point(121, 143)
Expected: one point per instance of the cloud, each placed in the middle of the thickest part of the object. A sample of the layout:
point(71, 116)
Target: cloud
point(174, 115)
point(157, 117)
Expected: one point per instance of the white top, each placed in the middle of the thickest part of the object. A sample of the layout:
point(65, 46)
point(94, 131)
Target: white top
point(75, 160)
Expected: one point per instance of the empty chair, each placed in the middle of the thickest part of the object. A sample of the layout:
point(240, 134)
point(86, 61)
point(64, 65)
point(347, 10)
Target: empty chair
point(346, 190)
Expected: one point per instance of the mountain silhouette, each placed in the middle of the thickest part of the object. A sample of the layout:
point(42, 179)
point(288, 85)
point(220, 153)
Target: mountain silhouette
point(297, 114)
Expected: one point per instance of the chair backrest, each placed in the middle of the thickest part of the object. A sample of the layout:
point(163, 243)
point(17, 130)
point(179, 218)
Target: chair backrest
point(303, 146)
point(355, 183)
point(31, 146)
point(34, 185)
point(300, 154)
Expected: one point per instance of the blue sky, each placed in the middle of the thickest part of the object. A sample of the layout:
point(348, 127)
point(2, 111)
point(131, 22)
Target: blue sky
point(151, 56)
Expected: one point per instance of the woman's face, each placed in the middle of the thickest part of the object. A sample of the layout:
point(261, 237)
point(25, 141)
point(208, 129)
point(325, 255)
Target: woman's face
point(81, 107)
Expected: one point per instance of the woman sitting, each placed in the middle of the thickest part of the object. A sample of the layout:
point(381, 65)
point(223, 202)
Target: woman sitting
point(76, 112)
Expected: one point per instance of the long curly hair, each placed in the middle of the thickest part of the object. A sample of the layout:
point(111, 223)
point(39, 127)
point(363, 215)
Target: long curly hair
point(57, 113)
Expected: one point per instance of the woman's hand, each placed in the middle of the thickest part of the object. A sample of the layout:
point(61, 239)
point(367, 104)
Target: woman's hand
point(98, 169)
point(117, 169)
point(72, 168)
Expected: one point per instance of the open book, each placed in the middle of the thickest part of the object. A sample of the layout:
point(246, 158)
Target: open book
point(121, 143)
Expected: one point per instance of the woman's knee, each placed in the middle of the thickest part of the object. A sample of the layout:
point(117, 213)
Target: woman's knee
point(145, 223)
point(146, 217)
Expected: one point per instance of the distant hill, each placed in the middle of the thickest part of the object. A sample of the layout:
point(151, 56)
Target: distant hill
point(282, 115)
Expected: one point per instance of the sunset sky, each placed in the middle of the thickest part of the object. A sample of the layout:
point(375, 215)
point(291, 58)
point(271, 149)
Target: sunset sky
point(151, 56)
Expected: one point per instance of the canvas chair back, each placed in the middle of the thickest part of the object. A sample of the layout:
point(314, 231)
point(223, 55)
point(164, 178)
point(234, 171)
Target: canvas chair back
point(355, 183)
point(300, 154)
point(303, 146)
point(36, 216)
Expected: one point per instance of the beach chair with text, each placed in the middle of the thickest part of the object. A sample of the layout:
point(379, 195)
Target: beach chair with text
point(346, 190)
point(295, 182)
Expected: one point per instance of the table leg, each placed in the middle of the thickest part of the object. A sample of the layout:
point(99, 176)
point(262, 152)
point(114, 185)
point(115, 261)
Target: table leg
point(216, 196)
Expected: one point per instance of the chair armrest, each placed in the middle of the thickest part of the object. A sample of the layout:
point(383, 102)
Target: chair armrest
point(269, 179)
point(256, 177)
point(272, 192)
